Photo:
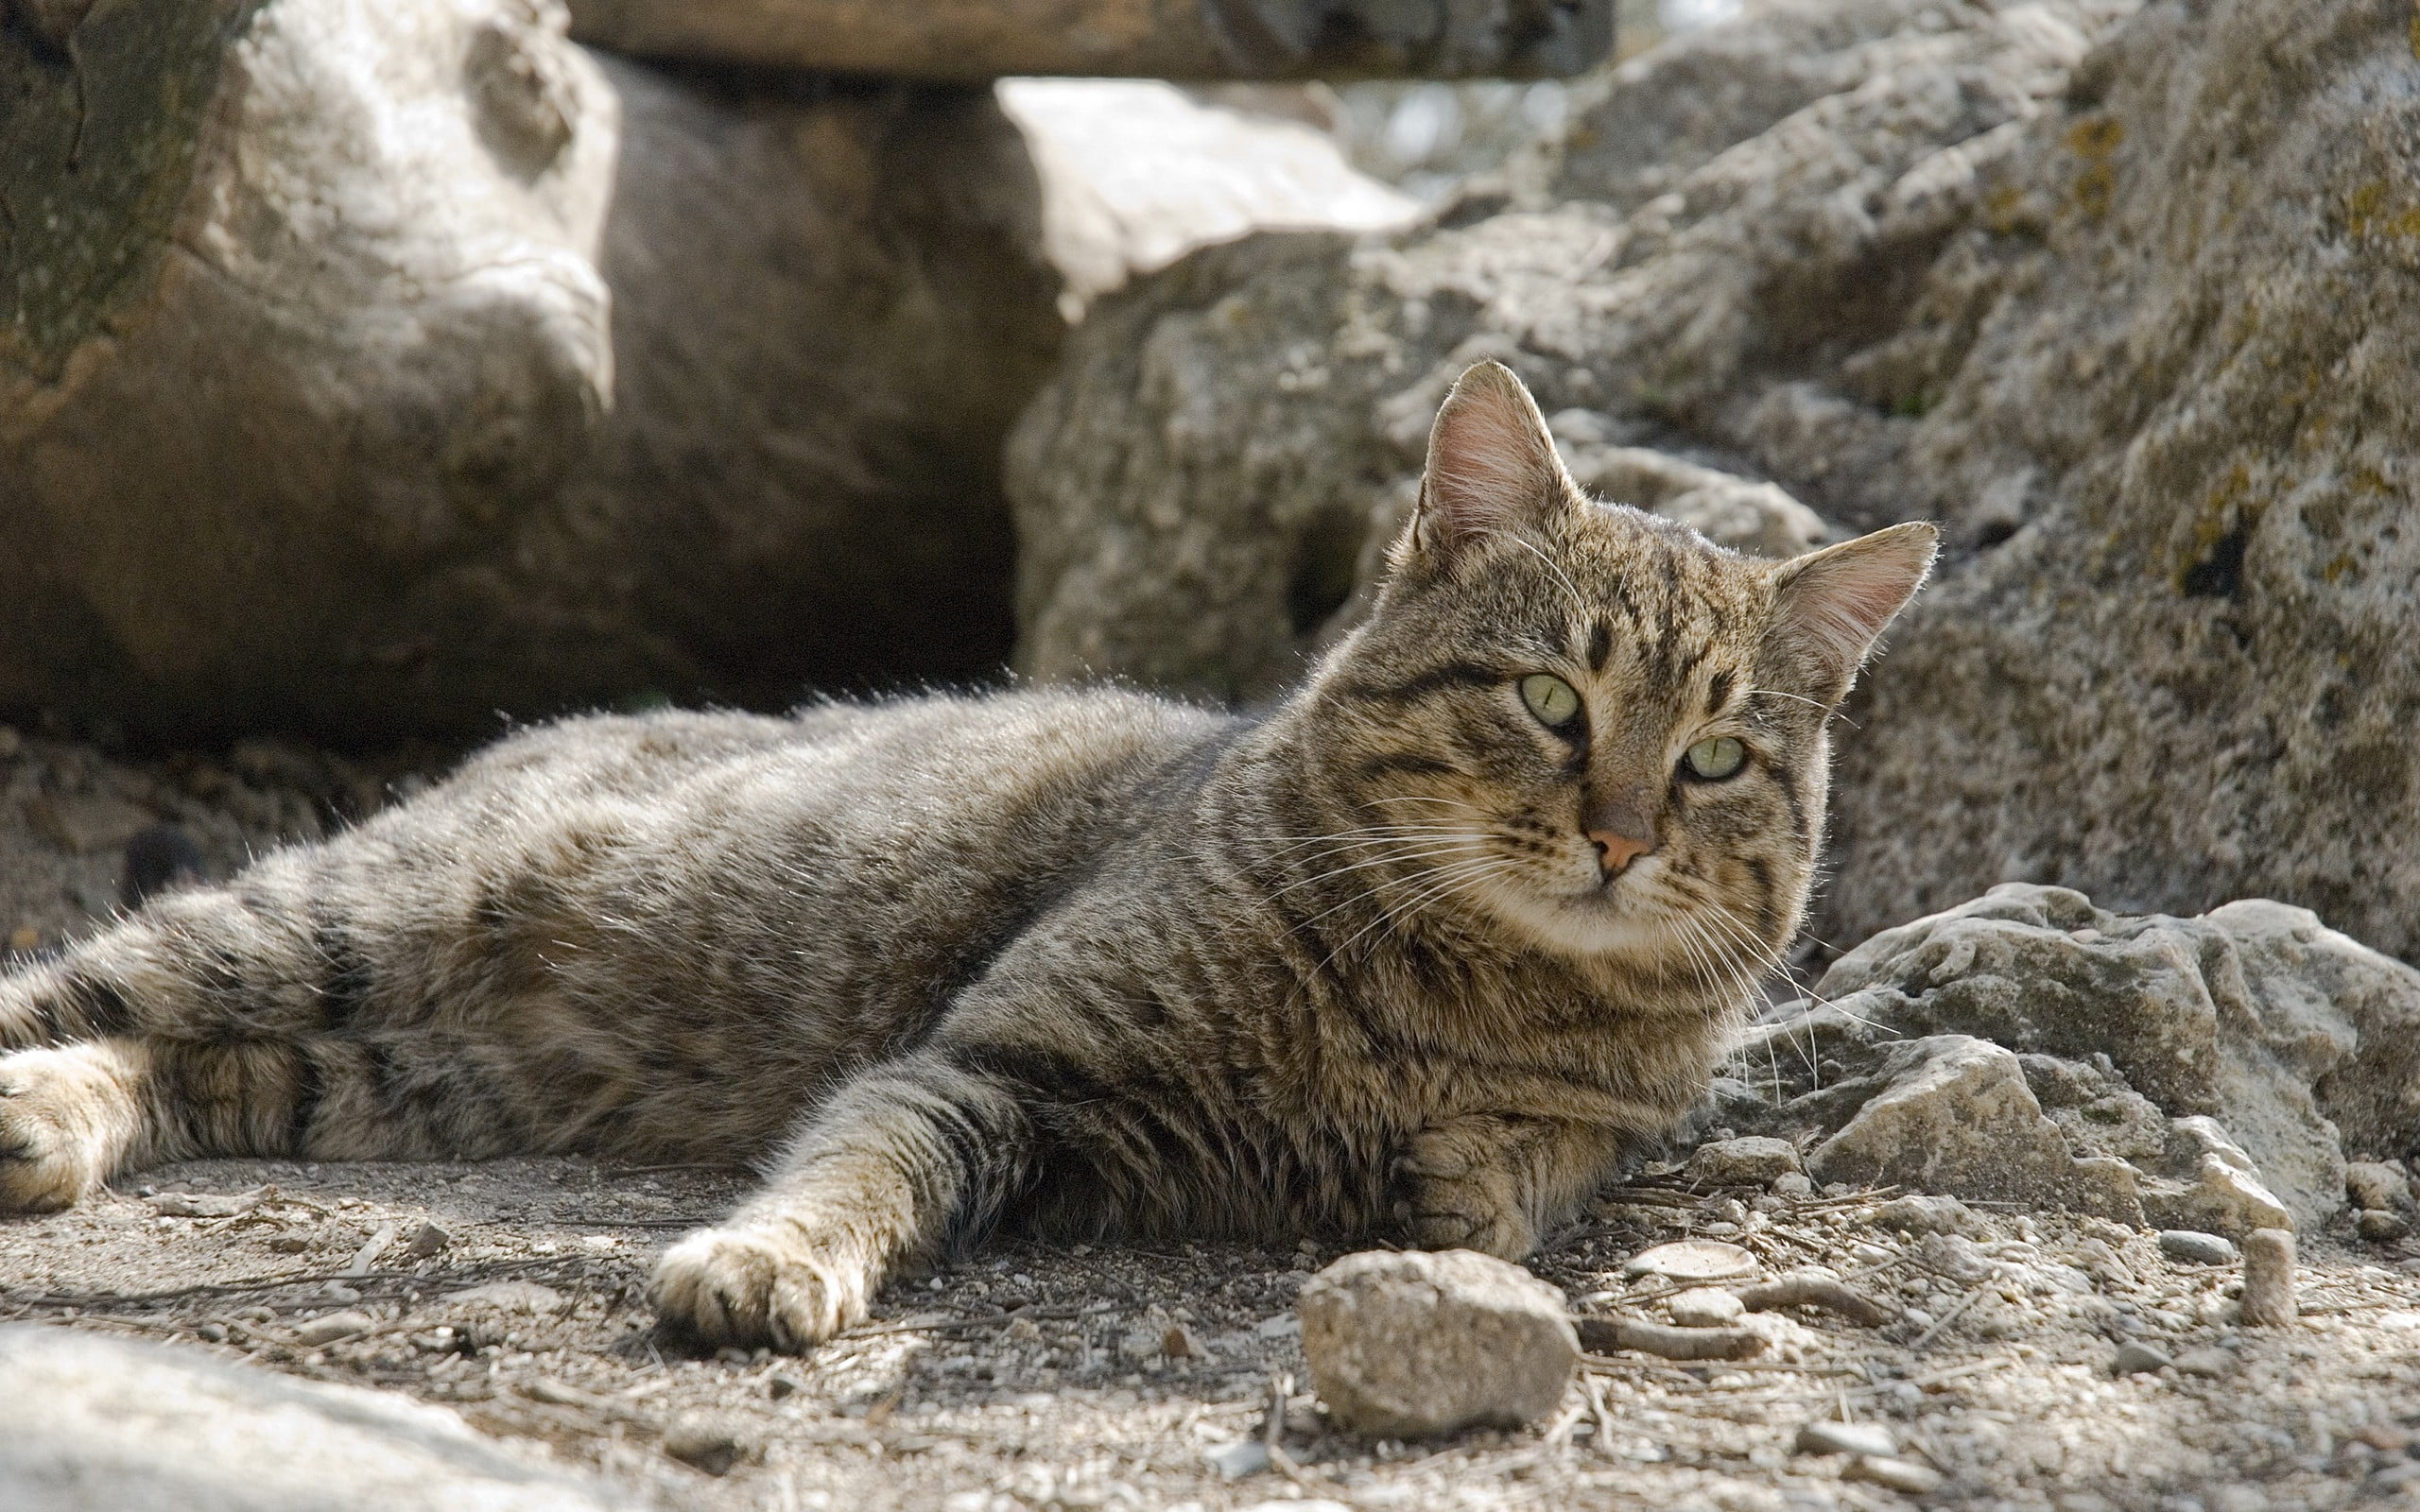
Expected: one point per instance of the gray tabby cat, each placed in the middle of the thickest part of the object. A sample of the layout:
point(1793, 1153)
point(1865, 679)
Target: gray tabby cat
point(1413, 954)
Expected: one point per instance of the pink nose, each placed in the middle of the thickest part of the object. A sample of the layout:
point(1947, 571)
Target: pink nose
point(1616, 850)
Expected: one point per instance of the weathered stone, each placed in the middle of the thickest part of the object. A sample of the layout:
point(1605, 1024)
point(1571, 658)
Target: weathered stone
point(2380, 1226)
point(2124, 1036)
point(2268, 1299)
point(2196, 1247)
point(1954, 1115)
point(330, 1327)
point(2139, 1358)
point(1921, 1213)
point(1704, 1307)
point(1692, 1259)
point(708, 1441)
point(2378, 1184)
point(1897, 1474)
point(99, 1425)
point(1408, 1344)
point(1750, 1161)
point(1824, 1437)
point(2210, 1363)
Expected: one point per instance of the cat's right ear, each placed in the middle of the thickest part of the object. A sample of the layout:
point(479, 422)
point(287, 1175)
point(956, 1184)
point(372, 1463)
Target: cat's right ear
point(1492, 466)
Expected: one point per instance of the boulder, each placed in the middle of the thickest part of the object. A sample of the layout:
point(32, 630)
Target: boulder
point(2121, 292)
point(99, 1425)
point(2193, 1073)
point(1410, 1345)
point(367, 369)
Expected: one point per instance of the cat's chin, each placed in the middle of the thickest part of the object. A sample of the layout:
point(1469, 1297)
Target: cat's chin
point(1596, 925)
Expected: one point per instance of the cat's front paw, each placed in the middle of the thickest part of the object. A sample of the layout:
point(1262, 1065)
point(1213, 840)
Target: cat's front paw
point(1450, 1196)
point(51, 1151)
point(747, 1288)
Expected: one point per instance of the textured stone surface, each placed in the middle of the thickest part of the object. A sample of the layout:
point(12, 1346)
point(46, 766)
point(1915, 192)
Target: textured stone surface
point(2122, 294)
point(99, 1425)
point(1408, 1344)
point(1751, 1159)
point(2194, 1072)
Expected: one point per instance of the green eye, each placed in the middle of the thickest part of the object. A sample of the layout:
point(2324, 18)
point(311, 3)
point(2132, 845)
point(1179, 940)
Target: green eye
point(1717, 758)
point(1550, 698)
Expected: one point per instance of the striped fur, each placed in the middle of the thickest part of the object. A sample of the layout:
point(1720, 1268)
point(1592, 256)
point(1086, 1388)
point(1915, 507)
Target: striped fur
point(1069, 962)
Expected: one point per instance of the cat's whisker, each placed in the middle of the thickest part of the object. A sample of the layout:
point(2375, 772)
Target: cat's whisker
point(1334, 872)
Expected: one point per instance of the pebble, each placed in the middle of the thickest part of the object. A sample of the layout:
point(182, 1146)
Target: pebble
point(1894, 1473)
point(2210, 1363)
point(1705, 1307)
point(1749, 1161)
point(1827, 1437)
point(2268, 1279)
point(1693, 1259)
point(1925, 1215)
point(1234, 1461)
point(704, 1442)
point(330, 1327)
point(1405, 1344)
point(429, 1241)
point(2195, 1247)
point(1793, 1185)
point(2139, 1358)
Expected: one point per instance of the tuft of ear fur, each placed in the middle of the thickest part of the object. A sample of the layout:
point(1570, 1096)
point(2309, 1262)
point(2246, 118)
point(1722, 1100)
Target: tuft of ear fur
point(1492, 464)
point(1830, 605)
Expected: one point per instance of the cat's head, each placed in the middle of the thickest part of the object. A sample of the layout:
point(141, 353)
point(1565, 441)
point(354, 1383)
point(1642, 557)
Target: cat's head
point(1591, 724)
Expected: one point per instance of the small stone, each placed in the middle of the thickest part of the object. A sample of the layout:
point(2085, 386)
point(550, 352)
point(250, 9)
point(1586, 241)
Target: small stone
point(328, 1328)
point(2195, 1247)
point(1408, 1344)
point(2268, 1279)
point(705, 1442)
point(1888, 1470)
point(1925, 1215)
point(1826, 1437)
point(1845, 1438)
point(2379, 1227)
point(429, 1241)
point(212, 1333)
point(2138, 1359)
point(1234, 1461)
point(1793, 1185)
point(1181, 1342)
point(514, 1297)
point(780, 1386)
point(1141, 1346)
point(1693, 1259)
point(2377, 1185)
point(1705, 1307)
point(2209, 1364)
point(1751, 1161)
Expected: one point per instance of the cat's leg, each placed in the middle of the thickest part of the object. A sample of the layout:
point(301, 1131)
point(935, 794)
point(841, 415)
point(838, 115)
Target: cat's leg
point(1493, 1182)
point(900, 1161)
point(72, 1116)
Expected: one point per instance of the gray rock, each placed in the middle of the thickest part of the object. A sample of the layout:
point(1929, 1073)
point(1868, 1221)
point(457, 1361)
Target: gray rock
point(2377, 1184)
point(1246, 1456)
point(330, 1327)
point(707, 1442)
point(99, 1425)
point(2196, 1247)
point(1827, 1437)
point(1904, 1475)
point(1750, 1161)
point(2210, 1363)
point(2128, 1037)
point(2382, 1226)
point(1923, 1215)
point(1408, 1344)
point(2140, 1359)
point(2268, 1299)
point(1704, 1307)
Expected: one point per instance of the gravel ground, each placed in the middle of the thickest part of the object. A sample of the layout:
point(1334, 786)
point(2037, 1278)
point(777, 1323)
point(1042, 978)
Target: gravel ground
point(1021, 1378)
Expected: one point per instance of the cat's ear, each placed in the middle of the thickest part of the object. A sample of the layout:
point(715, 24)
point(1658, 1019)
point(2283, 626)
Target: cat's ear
point(1492, 465)
point(1830, 605)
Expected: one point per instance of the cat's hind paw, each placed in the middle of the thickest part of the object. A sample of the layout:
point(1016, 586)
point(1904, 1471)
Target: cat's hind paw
point(57, 1116)
point(742, 1287)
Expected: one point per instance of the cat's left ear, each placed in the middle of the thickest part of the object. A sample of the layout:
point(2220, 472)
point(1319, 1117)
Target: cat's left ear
point(1492, 466)
point(1830, 605)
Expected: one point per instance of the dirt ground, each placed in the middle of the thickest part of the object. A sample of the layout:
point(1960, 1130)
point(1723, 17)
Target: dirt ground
point(1022, 1379)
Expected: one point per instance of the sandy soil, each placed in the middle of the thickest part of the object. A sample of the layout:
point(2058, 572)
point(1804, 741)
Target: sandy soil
point(1027, 1378)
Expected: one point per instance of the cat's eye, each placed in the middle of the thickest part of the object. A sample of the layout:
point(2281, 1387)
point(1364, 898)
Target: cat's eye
point(1554, 701)
point(1714, 760)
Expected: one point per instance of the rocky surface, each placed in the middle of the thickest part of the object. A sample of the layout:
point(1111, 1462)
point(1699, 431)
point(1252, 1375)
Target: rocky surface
point(2209, 1072)
point(1410, 1346)
point(2118, 292)
point(99, 1425)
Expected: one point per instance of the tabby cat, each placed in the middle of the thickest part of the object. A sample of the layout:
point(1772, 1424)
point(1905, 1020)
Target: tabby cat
point(1411, 953)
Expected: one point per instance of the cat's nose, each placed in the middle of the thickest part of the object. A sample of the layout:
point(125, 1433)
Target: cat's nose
point(1616, 850)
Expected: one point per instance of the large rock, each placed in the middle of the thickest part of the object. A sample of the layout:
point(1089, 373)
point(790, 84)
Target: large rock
point(2123, 293)
point(2195, 1073)
point(100, 1425)
point(1407, 1345)
point(369, 368)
